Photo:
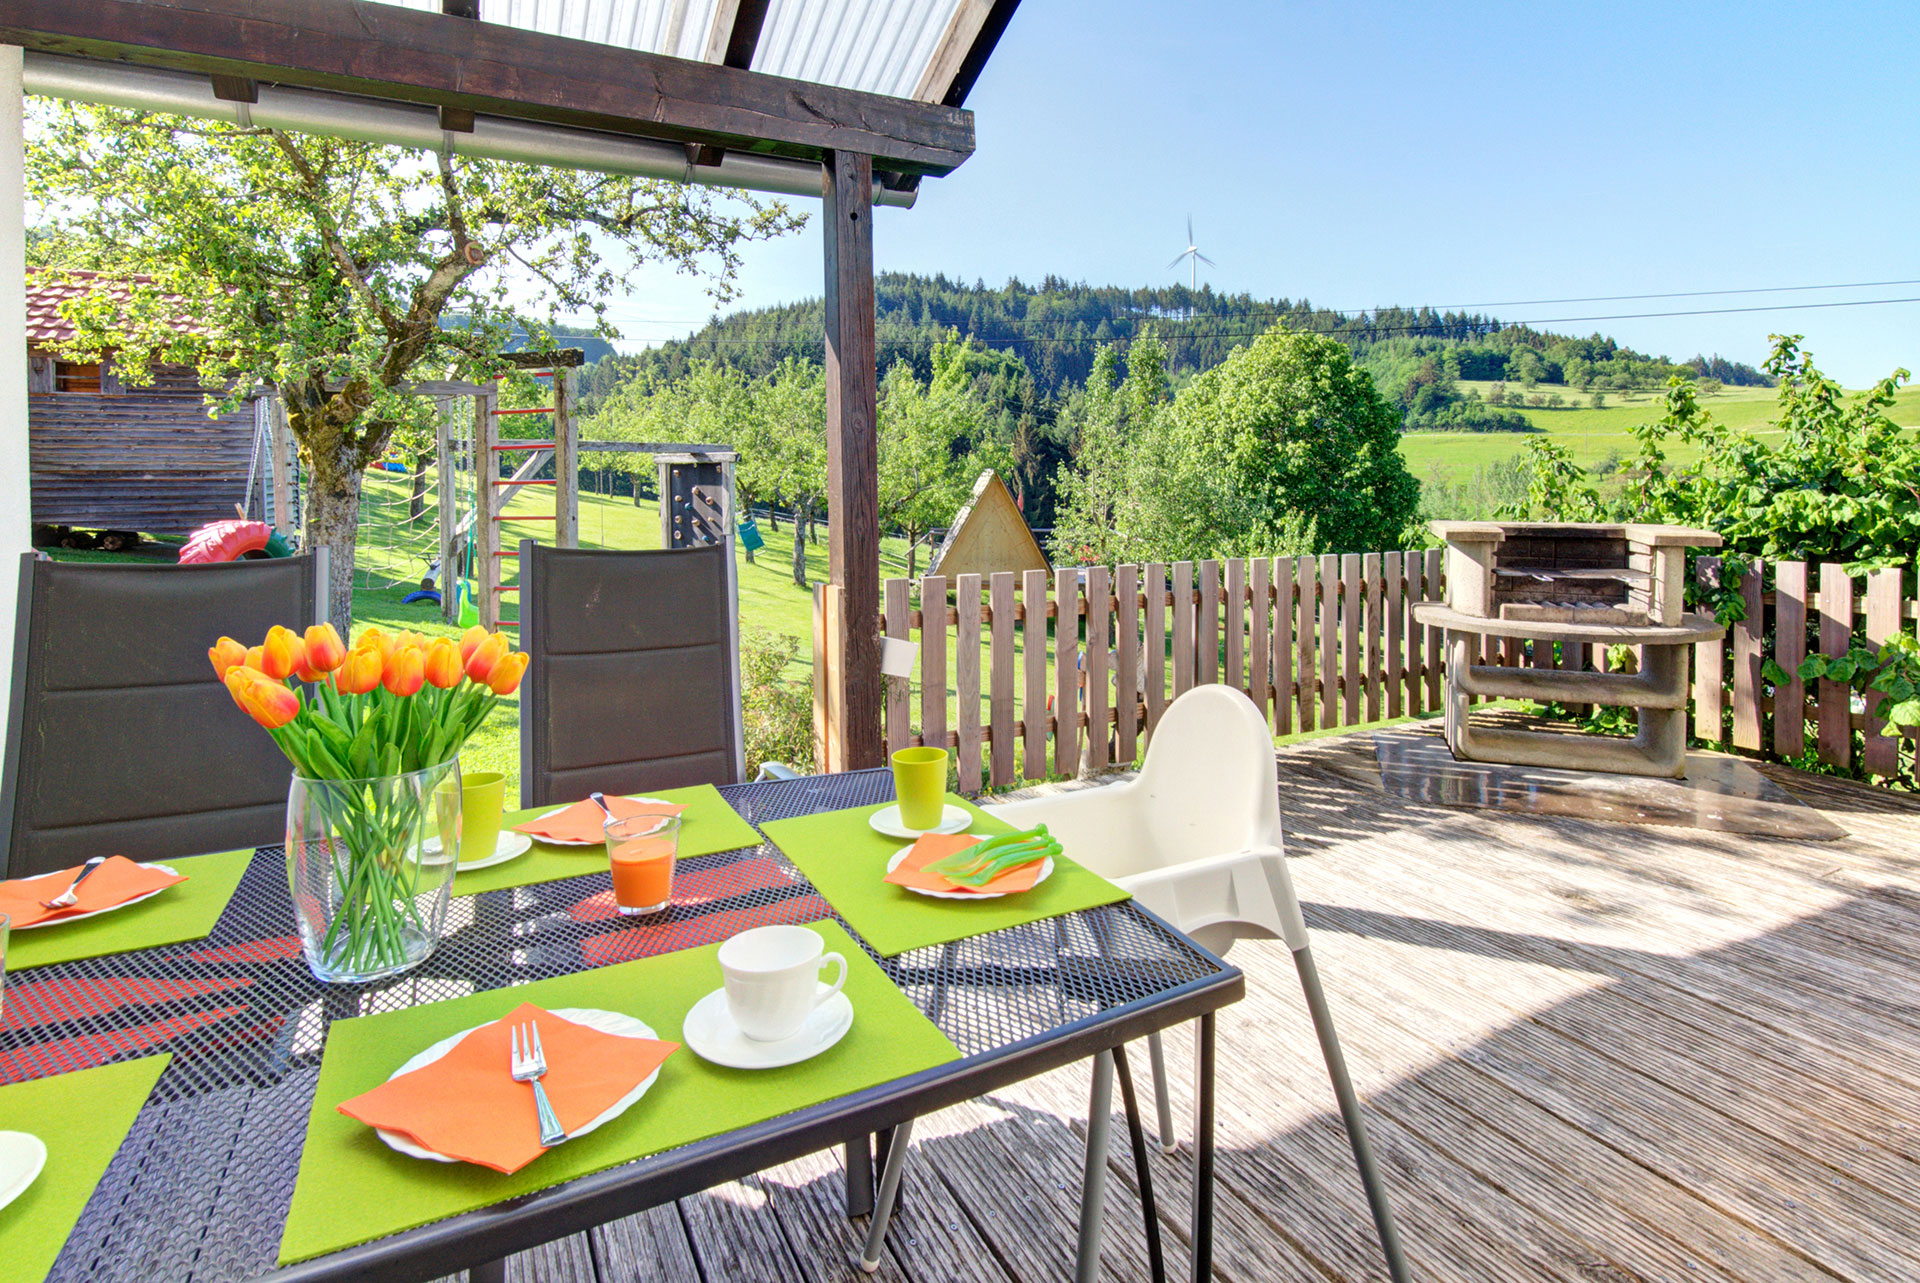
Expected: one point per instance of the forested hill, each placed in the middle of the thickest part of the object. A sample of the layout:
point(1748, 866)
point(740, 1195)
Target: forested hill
point(1055, 328)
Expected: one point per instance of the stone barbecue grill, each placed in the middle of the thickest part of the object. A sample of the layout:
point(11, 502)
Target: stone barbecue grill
point(1578, 583)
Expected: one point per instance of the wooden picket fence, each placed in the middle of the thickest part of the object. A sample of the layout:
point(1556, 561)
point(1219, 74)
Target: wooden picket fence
point(1826, 613)
point(1316, 643)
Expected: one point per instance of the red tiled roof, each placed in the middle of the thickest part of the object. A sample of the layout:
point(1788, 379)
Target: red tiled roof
point(48, 288)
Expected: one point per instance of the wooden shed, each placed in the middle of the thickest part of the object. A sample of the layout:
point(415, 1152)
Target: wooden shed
point(105, 456)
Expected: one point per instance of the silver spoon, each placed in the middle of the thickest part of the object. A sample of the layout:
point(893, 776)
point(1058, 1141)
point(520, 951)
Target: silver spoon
point(68, 898)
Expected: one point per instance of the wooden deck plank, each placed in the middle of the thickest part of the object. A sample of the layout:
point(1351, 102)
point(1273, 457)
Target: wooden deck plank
point(1592, 1052)
point(650, 1245)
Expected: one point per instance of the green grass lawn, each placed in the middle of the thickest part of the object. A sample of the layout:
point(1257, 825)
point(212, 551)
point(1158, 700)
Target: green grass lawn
point(394, 554)
point(1592, 435)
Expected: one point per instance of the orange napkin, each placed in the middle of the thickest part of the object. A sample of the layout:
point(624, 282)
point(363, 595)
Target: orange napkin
point(466, 1104)
point(116, 881)
point(934, 847)
point(584, 822)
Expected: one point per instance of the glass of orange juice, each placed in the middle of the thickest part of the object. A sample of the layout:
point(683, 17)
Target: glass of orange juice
point(642, 849)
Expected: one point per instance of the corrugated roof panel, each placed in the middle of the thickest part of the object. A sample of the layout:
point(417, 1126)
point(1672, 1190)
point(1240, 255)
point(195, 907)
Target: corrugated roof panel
point(879, 46)
point(675, 27)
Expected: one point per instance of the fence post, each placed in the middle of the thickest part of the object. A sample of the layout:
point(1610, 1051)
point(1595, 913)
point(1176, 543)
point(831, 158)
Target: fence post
point(1790, 651)
point(1350, 673)
point(1033, 655)
point(1206, 634)
point(1236, 624)
point(899, 609)
point(1126, 678)
point(1709, 668)
point(1156, 644)
point(1749, 652)
point(1097, 652)
point(933, 661)
point(1882, 752)
point(966, 668)
point(1396, 587)
point(1836, 635)
point(1329, 640)
point(1436, 591)
point(1258, 680)
point(1375, 631)
point(1281, 663)
point(1066, 670)
point(1000, 736)
point(1183, 626)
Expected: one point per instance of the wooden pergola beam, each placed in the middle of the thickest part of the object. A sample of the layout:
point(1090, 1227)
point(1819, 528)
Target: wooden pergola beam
point(384, 51)
point(853, 487)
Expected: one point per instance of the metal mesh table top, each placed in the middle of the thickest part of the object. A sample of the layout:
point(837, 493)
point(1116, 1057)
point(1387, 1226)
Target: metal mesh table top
point(200, 1188)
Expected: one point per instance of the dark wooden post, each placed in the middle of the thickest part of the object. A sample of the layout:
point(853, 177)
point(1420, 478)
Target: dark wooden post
point(853, 487)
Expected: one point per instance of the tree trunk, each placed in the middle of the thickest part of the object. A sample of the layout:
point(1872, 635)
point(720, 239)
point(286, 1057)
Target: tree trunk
point(417, 502)
point(333, 523)
point(799, 547)
point(913, 551)
point(773, 518)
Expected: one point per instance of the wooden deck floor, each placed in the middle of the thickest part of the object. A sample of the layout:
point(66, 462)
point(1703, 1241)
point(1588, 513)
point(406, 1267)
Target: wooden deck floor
point(1589, 1052)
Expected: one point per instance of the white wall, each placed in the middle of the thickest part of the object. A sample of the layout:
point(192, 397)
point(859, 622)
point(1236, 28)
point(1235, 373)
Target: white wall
point(15, 503)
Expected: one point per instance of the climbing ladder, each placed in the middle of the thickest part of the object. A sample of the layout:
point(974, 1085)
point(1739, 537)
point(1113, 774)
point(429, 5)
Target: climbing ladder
point(493, 492)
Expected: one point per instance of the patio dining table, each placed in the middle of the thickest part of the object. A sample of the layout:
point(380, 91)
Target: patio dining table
point(201, 1187)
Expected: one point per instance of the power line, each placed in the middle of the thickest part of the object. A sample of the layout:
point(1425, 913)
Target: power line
point(1621, 298)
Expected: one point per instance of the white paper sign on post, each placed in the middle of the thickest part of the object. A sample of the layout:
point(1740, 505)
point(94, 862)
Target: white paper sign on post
point(896, 657)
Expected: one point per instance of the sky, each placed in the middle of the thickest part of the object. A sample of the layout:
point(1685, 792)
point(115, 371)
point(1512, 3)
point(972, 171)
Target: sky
point(1366, 154)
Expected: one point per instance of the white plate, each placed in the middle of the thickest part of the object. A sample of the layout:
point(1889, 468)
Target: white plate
point(21, 1158)
point(607, 1022)
point(954, 819)
point(55, 885)
point(568, 841)
point(1046, 871)
point(709, 1030)
point(508, 845)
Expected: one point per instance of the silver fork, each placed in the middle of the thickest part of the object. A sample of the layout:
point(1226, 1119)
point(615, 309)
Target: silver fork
point(70, 897)
point(529, 1063)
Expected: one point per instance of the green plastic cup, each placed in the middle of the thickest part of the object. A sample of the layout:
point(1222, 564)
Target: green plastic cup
point(482, 796)
point(920, 782)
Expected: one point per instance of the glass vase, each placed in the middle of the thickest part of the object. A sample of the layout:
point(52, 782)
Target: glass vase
point(370, 864)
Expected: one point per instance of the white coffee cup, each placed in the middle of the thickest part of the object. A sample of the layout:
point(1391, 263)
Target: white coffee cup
point(772, 977)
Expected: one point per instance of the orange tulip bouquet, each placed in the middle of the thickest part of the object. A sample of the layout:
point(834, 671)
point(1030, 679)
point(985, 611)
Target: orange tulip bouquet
point(374, 734)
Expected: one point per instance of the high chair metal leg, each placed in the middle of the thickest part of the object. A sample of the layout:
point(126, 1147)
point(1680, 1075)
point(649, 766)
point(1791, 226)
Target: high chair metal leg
point(1350, 1114)
point(1157, 1061)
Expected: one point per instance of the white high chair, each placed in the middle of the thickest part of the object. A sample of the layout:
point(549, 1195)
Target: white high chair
point(1196, 838)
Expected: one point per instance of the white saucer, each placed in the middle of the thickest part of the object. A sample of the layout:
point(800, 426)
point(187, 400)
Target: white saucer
point(1046, 871)
point(954, 819)
point(94, 913)
point(21, 1157)
point(710, 1031)
point(506, 847)
point(607, 1022)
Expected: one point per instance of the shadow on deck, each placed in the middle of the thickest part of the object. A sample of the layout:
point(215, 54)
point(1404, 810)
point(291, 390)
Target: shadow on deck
point(1588, 1052)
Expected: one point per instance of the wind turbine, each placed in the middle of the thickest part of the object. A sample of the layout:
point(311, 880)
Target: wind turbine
point(1192, 252)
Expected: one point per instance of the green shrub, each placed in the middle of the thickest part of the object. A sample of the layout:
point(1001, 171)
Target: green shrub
point(776, 712)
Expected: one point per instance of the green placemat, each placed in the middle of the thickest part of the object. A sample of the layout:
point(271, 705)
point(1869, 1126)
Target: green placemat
point(845, 859)
point(352, 1188)
point(185, 911)
point(707, 825)
point(82, 1117)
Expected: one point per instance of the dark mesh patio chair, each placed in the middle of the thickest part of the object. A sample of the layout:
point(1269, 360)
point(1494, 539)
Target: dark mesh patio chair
point(635, 680)
point(119, 739)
